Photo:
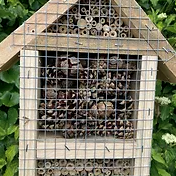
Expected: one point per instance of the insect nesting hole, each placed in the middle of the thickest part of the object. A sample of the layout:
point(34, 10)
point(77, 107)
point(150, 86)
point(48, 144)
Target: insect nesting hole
point(85, 167)
point(88, 95)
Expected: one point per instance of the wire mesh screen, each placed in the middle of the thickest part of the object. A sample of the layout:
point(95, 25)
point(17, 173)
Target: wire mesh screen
point(87, 90)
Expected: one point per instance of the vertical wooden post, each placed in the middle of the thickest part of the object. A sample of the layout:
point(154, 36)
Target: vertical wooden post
point(29, 84)
point(145, 115)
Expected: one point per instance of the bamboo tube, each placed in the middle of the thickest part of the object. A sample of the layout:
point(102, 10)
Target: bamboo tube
point(70, 166)
point(83, 173)
point(76, 31)
point(56, 172)
point(93, 1)
point(118, 22)
point(95, 165)
point(104, 12)
point(106, 28)
point(48, 165)
point(83, 10)
point(113, 34)
point(89, 19)
point(71, 26)
point(115, 16)
point(119, 29)
point(90, 174)
point(106, 34)
point(64, 171)
point(117, 171)
point(123, 35)
point(54, 28)
point(71, 20)
point(70, 31)
point(111, 11)
point(63, 29)
point(41, 164)
point(79, 166)
point(72, 172)
point(62, 163)
point(93, 23)
point(100, 33)
point(41, 171)
point(108, 172)
point(49, 30)
point(84, 32)
point(93, 32)
point(97, 171)
point(99, 26)
point(81, 23)
point(46, 174)
point(50, 171)
point(74, 9)
point(126, 29)
point(95, 12)
point(87, 12)
point(89, 26)
point(102, 21)
point(113, 27)
point(77, 16)
point(89, 166)
point(110, 20)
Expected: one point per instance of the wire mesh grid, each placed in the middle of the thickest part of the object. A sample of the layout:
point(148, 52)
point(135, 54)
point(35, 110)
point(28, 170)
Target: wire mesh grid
point(87, 90)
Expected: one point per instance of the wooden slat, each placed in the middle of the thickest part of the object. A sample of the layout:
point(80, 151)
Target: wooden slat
point(145, 115)
point(136, 17)
point(10, 47)
point(28, 118)
point(64, 42)
point(71, 149)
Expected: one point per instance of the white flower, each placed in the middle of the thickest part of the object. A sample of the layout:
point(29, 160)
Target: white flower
point(162, 100)
point(162, 16)
point(169, 138)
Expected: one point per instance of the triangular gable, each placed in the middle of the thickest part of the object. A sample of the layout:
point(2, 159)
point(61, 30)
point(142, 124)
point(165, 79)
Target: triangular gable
point(136, 19)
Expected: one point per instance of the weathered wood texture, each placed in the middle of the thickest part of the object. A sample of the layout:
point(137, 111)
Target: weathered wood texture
point(145, 115)
point(91, 44)
point(36, 24)
point(28, 111)
point(71, 149)
point(142, 27)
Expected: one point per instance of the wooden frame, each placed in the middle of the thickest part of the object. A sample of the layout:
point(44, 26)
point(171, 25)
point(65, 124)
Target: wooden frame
point(34, 146)
point(142, 26)
point(145, 115)
point(29, 74)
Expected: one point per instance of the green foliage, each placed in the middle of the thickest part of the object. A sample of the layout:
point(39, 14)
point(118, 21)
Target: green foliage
point(12, 14)
point(15, 12)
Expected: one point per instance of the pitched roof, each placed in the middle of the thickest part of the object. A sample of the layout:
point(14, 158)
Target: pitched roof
point(142, 28)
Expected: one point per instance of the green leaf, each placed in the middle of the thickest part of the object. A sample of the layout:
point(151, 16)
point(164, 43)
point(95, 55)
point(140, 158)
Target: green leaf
point(168, 89)
point(31, 2)
point(154, 2)
point(16, 134)
point(11, 152)
point(163, 172)
point(12, 129)
point(174, 100)
point(2, 133)
point(12, 168)
point(11, 75)
point(158, 88)
point(157, 157)
point(165, 112)
point(10, 99)
point(12, 116)
point(2, 163)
